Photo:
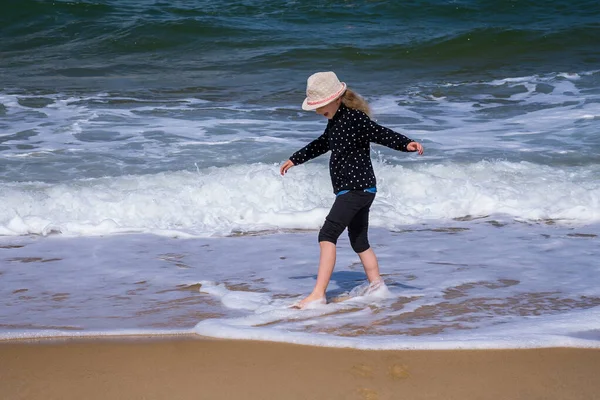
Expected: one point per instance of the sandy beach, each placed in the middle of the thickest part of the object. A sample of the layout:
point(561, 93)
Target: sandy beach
point(192, 368)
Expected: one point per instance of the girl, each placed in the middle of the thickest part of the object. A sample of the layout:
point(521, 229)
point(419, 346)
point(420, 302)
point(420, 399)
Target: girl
point(348, 135)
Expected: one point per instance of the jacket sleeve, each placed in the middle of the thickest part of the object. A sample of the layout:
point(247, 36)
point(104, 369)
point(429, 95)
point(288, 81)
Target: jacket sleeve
point(384, 136)
point(312, 150)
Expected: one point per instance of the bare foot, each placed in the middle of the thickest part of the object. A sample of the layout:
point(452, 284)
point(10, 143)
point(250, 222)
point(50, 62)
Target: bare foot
point(309, 302)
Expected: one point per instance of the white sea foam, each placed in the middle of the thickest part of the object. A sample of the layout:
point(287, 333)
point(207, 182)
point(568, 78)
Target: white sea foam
point(255, 197)
point(53, 334)
point(576, 330)
point(549, 113)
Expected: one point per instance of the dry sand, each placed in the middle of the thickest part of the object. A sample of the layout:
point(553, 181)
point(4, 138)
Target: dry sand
point(192, 368)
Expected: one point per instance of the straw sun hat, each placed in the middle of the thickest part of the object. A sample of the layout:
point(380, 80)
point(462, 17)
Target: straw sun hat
point(321, 89)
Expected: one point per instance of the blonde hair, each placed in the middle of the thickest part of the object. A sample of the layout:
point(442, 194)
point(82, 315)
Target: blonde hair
point(351, 99)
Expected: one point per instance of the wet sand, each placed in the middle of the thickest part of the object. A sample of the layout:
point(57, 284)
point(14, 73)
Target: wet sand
point(193, 368)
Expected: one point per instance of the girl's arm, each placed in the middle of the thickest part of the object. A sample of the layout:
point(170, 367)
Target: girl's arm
point(312, 150)
point(387, 137)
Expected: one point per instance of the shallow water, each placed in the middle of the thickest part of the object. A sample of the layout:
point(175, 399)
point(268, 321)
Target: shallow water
point(480, 283)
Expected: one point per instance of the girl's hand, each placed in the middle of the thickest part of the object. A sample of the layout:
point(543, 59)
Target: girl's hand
point(414, 146)
point(286, 165)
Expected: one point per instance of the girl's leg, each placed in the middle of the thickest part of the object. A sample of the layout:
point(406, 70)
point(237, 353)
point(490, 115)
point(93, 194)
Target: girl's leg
point(369, 262)
point(358, 230)
point(341, 214)
point(326, 264)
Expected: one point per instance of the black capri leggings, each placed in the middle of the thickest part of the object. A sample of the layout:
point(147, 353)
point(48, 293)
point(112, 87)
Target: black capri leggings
point(349, 210)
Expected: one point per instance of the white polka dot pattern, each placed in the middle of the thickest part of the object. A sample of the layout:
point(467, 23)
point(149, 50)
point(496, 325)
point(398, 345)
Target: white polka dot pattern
point(348, 135)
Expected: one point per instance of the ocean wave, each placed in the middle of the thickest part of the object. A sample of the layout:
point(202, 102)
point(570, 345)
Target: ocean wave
point(78, 39)
point(245, 198)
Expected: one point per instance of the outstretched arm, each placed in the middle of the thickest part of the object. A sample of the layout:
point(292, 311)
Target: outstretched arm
point(312, 150)
point(387, 137)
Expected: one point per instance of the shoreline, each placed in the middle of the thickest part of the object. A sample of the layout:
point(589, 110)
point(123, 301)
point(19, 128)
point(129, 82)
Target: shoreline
point(185, 367)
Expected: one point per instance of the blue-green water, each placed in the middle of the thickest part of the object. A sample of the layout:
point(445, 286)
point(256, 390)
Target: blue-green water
point(261, 51)
point(129, 126)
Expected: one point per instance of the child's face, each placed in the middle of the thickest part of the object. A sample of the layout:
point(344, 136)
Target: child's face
point(330, 109)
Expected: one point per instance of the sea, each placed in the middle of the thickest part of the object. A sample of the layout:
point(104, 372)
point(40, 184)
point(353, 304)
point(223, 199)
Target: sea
point(140, 193)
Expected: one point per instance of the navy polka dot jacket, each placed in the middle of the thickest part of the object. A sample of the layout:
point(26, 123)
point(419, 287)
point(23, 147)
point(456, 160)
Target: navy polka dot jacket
point(348, 135)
